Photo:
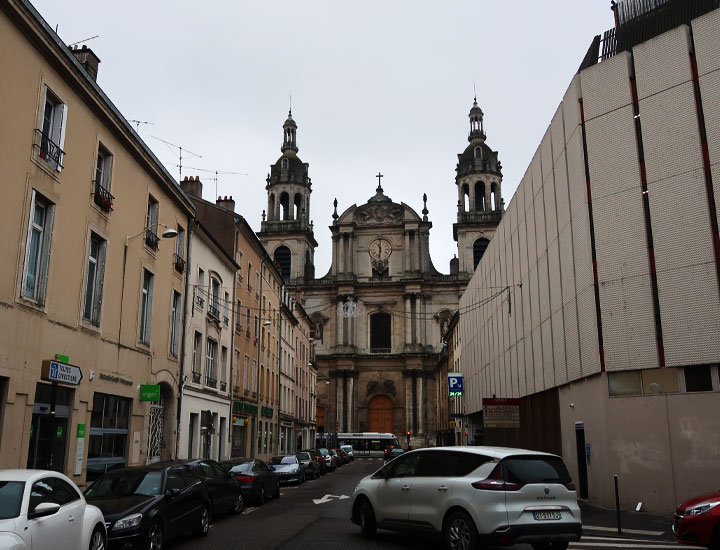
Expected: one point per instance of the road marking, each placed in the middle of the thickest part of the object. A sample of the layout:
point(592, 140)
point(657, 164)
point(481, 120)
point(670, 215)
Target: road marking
point(647, 545)
point(629, 531)
point(328, 498)
point(249, 509)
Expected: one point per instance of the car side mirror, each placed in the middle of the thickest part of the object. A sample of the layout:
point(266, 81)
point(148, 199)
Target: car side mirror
point(272, 468)
point(172, 493)
point(44, 509)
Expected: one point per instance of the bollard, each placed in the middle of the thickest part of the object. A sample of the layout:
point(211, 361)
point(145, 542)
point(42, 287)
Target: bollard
point(617, 504)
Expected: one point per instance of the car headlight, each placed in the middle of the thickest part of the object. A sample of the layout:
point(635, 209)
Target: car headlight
point(127, 522)
point(702, 509)
point(294, 470)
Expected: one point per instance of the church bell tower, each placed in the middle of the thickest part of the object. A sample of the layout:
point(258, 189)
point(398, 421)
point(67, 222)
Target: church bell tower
point(286, 230)
point(480, 204)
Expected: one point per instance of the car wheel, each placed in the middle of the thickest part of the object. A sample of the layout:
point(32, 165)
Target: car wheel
point(459, 532)
point(204, 525)
point(261, 498)
point(97, 539)
point(368, 527)
point(155, 536)
point(238, 505)
point(715, 538)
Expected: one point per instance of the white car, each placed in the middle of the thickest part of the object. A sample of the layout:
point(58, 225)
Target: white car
point(42, 509)
point(349, 450)
point(472, 495)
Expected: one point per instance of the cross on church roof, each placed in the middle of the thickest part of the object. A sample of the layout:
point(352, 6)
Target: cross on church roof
point(379, 187)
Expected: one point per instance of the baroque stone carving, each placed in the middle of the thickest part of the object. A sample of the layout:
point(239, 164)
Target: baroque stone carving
point(371, 214)
point(374, 386)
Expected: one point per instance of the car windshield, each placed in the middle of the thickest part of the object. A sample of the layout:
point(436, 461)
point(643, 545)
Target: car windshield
point(275, 460)
point(303, 456)
point(289, 459)
point(245, 468)
point(126, 483)
point(347, 448)
point(324, 452)
point(535, 469)
point(11, 493)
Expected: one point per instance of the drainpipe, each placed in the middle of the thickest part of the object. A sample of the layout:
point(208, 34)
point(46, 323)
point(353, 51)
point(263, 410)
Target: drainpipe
point(181, 378)
point(259, 347)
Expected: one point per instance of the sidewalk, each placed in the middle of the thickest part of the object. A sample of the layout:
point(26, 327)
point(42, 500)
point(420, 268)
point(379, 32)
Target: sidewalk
point(597, 519)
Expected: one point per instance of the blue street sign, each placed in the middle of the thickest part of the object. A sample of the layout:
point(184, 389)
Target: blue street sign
point(455, 383)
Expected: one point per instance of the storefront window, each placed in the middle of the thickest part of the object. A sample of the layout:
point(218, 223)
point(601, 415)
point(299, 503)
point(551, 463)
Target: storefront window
point(108, 434)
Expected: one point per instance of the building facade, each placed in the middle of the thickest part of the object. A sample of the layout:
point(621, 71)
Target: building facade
point(206, 391)
point(380, 313)
point(610, 255)
point(93, 285)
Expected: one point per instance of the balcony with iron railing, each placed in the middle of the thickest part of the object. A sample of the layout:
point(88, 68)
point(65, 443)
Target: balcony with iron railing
point(378, 351)
point(48, 150)
point(102, 197)
point(179, 263)
point(226, 321)
point(151, 239)
point(211, 382)
point(223, 386)
point(196, 377)
point(213, 311)
point(200, 302)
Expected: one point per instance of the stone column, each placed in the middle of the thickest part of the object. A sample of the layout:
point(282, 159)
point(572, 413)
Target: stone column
point(471, 200)
point(341, 255)
point(351, 404)
point(408, 320)
point(335, 255)
point(339, 324)
point(408, 403)
point(421, 403)
point(406, 254)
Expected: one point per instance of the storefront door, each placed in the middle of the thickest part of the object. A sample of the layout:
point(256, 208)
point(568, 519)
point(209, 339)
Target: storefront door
point(48, 431)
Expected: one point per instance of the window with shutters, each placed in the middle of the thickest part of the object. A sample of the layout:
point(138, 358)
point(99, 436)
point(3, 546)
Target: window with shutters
point(94, 279)
point(37, 249)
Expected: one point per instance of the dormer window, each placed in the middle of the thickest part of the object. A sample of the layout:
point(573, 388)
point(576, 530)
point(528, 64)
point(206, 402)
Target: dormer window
point(478, 153)
point(284, 164)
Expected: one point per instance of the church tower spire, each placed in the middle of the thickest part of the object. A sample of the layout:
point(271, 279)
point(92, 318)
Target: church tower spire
point(480, 205)
point(287, 231)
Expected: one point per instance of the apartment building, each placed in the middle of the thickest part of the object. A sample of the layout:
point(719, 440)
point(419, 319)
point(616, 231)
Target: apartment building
point(206, 394)
point(93, 281)
point(597, 303)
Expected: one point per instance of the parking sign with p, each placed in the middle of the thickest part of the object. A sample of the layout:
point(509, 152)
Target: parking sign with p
point(455, 384)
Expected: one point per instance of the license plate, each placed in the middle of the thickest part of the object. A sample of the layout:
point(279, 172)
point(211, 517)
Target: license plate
point(543, 516)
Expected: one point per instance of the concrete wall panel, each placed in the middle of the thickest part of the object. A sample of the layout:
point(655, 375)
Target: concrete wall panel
point(571, 107)
point(710, 94)
point(546, 153)
point(706, 37)
point(540, 227)
point(576, 174)
point(567, 267)
point(572, 341)
point(555, 280)
point(559, 359)
point(562, 196)
point(662, 62)
point(557, 134)
point(606, 86)
point(543, 288)
point(548, 354)
point(582, 251)
point(589, 348)
point(550, 208)
point(537, 367)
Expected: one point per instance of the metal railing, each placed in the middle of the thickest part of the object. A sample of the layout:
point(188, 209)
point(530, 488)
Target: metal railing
point(226, 321)
point(102, 197)
point(210, 382)
point(213, 312)
point(48, 150)
point(196, 377)
point(223, 386)
point(200, 301)
point(380, 350)
point(238, 328)
point(179, 263)
point(486, 216)
point(151, 239)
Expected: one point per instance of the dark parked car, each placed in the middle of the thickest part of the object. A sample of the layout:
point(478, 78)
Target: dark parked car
point(257, 480)
point(697, 521)
point(146, 505)
point(332, 462)
point(312, 468)
point(342, 455)
point(288, 468)
point(225, 494)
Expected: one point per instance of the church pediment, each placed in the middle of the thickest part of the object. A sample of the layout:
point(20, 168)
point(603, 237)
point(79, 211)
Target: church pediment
point(385, 213)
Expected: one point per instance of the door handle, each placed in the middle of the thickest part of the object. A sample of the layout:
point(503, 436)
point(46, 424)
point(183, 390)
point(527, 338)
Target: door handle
point(405, 487)
point(70, 518)
point(442, 488)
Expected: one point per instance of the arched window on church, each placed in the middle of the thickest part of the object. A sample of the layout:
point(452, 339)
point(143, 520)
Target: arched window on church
point(465, 198)
point(271, 207)
point(478, 153)
point(380, 333)
point(495, 196)
point(284, 164)
point(480, 202)
point(479, 247)
point(297, 204)
point(282, 261)
point(284, 206)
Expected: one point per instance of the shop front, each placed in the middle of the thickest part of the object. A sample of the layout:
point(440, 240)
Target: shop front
point(244, 417)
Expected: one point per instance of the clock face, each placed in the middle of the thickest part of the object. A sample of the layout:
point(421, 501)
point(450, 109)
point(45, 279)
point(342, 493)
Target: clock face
point(380, 249)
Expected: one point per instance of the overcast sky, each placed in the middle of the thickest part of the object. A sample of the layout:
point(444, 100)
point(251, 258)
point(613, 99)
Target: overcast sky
point(376, 86)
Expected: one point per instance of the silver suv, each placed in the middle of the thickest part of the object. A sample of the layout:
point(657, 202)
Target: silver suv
point(473, 495)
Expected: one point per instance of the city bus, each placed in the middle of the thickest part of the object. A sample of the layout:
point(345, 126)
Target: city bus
point(364, 444)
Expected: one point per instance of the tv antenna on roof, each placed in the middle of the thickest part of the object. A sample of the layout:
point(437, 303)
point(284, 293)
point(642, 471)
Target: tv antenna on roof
point(216, 172)
point(84, 40)
point(180, 149)
point(137, 124)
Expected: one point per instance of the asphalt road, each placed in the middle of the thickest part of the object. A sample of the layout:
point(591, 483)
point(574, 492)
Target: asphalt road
point(316, 516)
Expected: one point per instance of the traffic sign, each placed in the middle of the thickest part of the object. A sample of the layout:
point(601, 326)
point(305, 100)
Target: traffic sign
point(455, 383)
point(55, 371)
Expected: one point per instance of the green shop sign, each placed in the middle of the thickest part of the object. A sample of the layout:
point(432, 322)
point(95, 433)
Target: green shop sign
point(81, 431)
point(267, 411)
point(240, 407)
point(150, 392)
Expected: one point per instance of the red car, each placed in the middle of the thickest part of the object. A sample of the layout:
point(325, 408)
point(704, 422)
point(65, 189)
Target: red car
point(697, 521)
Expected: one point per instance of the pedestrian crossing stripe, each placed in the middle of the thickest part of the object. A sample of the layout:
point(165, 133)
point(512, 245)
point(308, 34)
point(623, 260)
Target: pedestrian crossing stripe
point(628, 531)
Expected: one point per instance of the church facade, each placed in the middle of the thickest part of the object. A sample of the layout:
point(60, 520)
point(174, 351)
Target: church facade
point(381, 312)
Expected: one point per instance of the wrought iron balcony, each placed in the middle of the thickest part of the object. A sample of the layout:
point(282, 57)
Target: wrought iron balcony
point(380, 350)
point(200, 301)
point(179, 263)
point(151, 239)
point(223, 386)
point(196, 377)
point(102, 197)
point(238, 328)
point(213, 312)
point(210, 382)
point(48, 150)
point(226, 321)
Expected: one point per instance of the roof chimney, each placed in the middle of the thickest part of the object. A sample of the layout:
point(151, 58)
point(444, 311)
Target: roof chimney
point(88, 60)
point(192, 186)
point(226, 202)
